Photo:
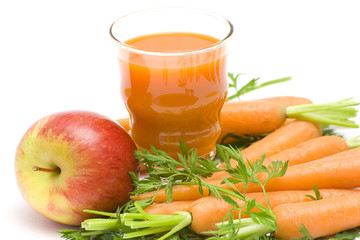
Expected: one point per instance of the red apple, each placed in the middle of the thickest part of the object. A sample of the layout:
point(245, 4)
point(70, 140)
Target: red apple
point(71, 161)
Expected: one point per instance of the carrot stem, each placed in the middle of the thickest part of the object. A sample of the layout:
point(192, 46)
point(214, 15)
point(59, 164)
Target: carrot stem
point(246, 228)
point(184, 223)
point(99, 224)
point(143, 223)
point(107, 214)
point(353, 142)
point(146, 232)
point(141, 216)
point(170, 221)
point(335, 113)
point(171, 224)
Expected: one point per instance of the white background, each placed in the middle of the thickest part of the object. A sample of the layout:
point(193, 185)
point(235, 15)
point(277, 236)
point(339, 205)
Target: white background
point(57, 55)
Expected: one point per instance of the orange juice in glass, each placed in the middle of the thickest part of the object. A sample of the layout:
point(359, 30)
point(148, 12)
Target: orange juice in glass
point(173, 76)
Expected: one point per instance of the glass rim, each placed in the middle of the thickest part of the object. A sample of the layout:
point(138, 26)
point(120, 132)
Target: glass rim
point(131, 48)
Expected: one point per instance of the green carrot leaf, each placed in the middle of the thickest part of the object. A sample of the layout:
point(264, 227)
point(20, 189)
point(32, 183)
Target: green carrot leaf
point(73, 234)
point(306, 235)
point(240, 142)
point(349, 234)
point(317, 194)
point(249, 86)
point(229, 200)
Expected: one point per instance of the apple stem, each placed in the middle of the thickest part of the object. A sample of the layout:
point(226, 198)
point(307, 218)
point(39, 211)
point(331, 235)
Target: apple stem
point(36, 168)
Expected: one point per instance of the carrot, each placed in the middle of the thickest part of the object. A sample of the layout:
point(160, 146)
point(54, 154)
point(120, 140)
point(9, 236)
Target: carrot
point(255, 117)
point(180, 193)
point(321, 218)
point(285, 137)
point(125, 123)
point(339, 170)
point(259, 117)
point(310, 150)
point(281, 101)
point(251, 117)
point(208, 211)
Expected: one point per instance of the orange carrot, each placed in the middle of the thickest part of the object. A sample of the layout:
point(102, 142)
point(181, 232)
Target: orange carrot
point(310, 150)
point(180, 193)
point(283, 138)
point(204, 207)
point(339, 170)
point(256, 117)
point(125, 123)
point(251, 117)
point(259, 117)
point(321, 218)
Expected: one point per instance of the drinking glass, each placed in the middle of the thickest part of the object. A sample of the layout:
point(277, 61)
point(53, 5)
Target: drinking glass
point(173, 76)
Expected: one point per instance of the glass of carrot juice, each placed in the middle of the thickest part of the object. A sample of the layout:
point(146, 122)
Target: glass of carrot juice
point(173, 76)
